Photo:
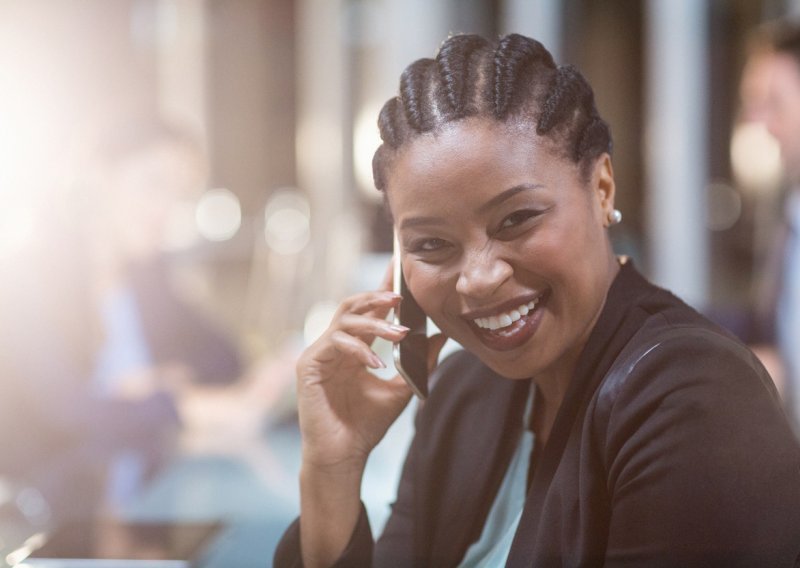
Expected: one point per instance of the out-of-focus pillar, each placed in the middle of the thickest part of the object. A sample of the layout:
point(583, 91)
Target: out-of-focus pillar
point(392, 35)
point(322, 95)
point(415, 29)
point(676, 140)
point(181, 60)
point(539, 19)
point(388, 35)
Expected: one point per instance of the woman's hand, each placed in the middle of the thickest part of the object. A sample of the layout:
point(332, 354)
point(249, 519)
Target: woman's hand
point(344, 409)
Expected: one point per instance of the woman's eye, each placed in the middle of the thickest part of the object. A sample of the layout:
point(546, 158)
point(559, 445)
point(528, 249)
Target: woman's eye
point(429, 245)
point(517, 218)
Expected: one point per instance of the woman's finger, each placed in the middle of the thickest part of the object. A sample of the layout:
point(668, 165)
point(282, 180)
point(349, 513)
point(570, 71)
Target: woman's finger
point(367, 328)
point(354, 347)
point(377, 303)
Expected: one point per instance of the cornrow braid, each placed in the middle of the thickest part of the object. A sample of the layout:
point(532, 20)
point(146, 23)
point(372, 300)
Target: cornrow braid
point(516, 78)
point(572, 93)
point(514, 61)
point(459, 70)
point(390, 121)
point(418, 93)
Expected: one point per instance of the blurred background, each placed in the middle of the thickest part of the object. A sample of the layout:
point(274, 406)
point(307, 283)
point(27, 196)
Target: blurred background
point(186, 191)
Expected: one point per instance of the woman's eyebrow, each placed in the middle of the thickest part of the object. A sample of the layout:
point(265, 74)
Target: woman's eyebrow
point(417, 221)
point(493, 202)
point(507, 194)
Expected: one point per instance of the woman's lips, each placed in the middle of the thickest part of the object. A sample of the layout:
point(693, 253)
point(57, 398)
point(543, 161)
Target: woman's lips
point(514, 335)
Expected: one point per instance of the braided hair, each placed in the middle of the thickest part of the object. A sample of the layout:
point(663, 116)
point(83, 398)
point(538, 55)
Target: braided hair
point(514, 79)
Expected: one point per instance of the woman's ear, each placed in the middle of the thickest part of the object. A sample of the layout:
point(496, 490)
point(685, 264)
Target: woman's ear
point(603, 187)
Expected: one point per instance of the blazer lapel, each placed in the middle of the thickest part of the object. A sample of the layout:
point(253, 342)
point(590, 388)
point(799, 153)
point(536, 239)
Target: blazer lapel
point(618, 322)
point(466, 464)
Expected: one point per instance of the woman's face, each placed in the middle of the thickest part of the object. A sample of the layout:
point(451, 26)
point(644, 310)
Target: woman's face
point(504, 243)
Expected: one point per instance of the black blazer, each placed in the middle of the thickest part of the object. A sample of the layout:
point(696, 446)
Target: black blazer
point(670, 449)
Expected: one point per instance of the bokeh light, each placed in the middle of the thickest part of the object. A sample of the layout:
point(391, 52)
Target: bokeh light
point(218, 215)
point(287, 223)
point(755, 157)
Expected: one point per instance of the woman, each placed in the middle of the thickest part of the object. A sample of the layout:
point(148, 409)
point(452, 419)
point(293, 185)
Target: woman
point(593, 419)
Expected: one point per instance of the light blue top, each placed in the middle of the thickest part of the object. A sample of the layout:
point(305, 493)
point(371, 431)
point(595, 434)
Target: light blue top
point(492, 548)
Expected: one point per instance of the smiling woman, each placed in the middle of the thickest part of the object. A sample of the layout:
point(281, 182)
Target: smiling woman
point(593, 418)
point(526, 228)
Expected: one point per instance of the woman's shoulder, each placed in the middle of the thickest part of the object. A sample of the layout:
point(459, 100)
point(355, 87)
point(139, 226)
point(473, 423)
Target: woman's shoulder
point(652, 342)
point(680, 371)
point(687, 425)
point(676, 336)
point(676, 348)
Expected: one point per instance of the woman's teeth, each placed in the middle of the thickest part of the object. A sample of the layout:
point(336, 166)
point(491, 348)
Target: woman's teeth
point(506, 318)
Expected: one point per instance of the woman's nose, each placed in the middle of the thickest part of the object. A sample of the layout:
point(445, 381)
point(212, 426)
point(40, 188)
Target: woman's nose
point(482, 274)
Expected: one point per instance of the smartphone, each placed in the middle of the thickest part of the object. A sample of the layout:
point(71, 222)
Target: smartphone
point(410, 354)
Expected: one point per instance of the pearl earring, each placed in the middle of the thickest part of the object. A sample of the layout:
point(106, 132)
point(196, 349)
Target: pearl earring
point(615, 217)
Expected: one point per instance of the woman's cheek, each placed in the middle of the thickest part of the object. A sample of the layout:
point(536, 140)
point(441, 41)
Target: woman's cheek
point(433, 287)
point(425, 298)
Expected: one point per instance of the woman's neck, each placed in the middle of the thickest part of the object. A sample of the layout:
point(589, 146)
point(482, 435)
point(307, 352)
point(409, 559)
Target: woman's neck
point(552, 384)
point(551, 388)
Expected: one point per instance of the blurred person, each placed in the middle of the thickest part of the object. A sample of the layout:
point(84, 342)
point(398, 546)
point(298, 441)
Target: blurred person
point(96, 343)
point(592, 419)
point(770, 90)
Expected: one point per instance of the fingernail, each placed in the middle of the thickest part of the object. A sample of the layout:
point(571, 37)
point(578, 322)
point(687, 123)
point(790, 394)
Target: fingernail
point(377, 363)
point(398, 328)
